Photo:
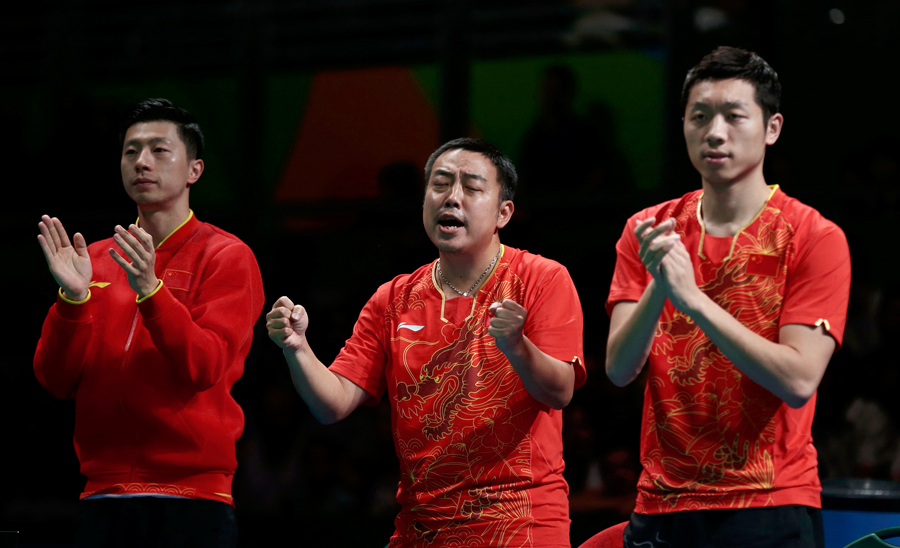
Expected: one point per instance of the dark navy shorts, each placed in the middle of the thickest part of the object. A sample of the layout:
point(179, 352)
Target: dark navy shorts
point(154, 522)
point(774, 527)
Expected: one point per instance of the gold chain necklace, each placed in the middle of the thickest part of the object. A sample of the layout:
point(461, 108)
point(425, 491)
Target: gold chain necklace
point(478, 281)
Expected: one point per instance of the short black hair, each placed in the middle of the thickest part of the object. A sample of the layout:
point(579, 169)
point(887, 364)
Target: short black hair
point(163, 110)
point(727, 62)
point(506, 171)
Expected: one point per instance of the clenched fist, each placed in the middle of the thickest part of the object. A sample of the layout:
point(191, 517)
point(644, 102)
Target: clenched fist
point(287, 323)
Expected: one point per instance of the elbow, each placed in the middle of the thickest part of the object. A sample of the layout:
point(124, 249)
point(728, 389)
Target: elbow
point(560, 400)
point(202, 383)
point(799, 394)
point(618, 375)
point(206, 372)
point(326, 416)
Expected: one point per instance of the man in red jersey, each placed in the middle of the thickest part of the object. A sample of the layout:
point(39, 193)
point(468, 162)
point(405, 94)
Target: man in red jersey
point(148, 334)
point(478, 351)
point(738, 295)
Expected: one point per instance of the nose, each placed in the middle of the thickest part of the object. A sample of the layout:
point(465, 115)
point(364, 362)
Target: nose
point(142, 162)
point(454, 196)
point(716, 131)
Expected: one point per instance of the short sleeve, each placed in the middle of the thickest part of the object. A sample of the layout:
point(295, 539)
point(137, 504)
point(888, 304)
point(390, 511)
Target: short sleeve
point(630, 277)
point(363, 358)
point(555, 322)
point(818, 284)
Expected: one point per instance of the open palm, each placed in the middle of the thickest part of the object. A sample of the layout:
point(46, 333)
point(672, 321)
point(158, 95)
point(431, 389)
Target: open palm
point(69, 262)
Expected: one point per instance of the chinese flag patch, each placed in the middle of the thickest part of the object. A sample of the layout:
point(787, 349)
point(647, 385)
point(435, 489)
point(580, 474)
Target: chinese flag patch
point(763, 265)
point(178, 279)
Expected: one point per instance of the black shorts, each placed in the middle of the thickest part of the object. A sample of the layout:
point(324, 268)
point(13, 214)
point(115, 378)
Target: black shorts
point(774, 527)
point(151, 522)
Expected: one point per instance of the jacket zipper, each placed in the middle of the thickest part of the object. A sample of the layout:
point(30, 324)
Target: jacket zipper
point(134, 322)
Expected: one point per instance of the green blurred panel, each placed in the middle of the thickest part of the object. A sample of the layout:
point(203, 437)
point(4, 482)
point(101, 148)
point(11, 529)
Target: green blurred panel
point(213, 101)
point(286, 96)
point(504, 102)
point(428, 78)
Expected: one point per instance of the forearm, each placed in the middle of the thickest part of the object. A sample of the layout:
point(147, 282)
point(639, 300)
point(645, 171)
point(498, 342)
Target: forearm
point(548, 380)
point(631, 335)
point(779, 368)
point(61, 351)
point(199, 349)
point(329, 397)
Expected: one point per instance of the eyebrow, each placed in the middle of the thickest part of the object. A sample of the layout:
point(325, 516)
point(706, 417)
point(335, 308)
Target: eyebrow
point(465, 175)
point(727, 106)
point(151, 142)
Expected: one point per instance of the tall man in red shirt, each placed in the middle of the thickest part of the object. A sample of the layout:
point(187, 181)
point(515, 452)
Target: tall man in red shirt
point(478, 351)
point(737, 294)
point(148, 334)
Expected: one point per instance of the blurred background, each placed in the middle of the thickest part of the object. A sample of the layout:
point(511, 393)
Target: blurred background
point(319, 116)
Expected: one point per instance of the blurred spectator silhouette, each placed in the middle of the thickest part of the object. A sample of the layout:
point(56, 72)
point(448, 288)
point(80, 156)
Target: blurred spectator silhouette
point(566, 158)
point(858, 432)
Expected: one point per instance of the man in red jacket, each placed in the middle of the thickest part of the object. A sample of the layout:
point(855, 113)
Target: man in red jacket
point(149, 333)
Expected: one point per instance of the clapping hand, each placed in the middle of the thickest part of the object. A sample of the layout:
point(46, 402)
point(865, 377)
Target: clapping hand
point(69, 262)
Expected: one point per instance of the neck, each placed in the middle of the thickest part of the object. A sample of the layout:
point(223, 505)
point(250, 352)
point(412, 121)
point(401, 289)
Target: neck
point(159, 223)
point(727, 208)
point(464, 269)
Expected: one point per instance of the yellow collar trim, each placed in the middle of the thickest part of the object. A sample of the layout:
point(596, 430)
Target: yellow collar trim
point(184, 222)
point(437, 285)
point(738, 233)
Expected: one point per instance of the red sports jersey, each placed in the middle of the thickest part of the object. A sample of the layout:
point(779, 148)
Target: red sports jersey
point(712, 438)
point(481, 459)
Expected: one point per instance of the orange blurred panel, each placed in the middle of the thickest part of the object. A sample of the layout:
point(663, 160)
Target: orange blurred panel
point(357, 122)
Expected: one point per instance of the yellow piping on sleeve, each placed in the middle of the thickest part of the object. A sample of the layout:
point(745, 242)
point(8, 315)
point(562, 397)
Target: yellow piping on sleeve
point(152, 293)
point(70, 301)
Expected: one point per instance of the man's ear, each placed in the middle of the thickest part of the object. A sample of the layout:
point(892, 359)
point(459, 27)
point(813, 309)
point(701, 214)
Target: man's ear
point(505, 213)
point(773, 128)
point(195, 170)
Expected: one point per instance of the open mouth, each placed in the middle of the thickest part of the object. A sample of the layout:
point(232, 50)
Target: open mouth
point(449, 223)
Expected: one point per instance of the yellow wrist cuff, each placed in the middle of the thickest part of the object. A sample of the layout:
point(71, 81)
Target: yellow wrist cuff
point(152, 293)
point(70, 301)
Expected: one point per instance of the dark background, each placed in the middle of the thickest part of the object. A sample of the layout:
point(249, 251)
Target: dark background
point(317, 115)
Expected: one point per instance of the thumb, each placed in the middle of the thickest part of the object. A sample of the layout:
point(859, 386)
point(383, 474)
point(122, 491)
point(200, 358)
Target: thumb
point(80, 244)
point(297, 313)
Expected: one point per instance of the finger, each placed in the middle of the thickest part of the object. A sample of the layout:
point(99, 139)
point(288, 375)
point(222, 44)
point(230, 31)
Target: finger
point(513, 306)
point(493, 308)
point(283, 302)
point(277, 323)
point(501, 325)
point(297, 312)
point(642, 227)
point(45, 247)
point(123, 263)
point(661, 228)
point(52, 232)
point(507, 314)
point(133, 242)
point(132, 255)
point(653, 257)
point(63, 237)
point(663, 241)
point(143, 236)
point(45, 227)
point(279, 312)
